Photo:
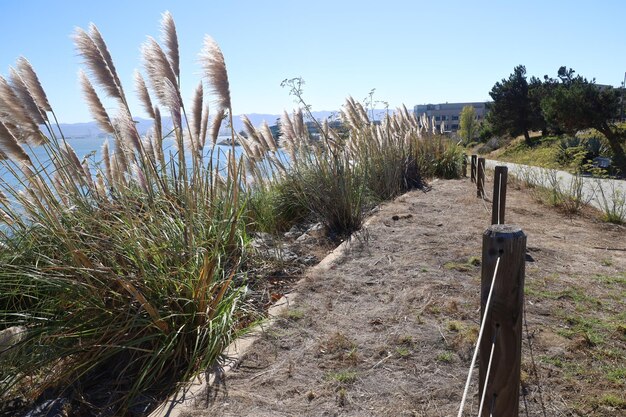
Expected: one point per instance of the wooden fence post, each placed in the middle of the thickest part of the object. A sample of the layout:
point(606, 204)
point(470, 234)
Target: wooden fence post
point(480, 178)
point(499, 195)
point(504, 321)
point(473, 168)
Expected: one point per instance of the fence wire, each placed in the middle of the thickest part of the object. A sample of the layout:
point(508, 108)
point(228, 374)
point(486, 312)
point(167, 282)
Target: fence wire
point(480, 336)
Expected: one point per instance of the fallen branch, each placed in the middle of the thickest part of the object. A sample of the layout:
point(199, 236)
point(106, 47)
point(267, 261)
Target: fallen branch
point(617, 249)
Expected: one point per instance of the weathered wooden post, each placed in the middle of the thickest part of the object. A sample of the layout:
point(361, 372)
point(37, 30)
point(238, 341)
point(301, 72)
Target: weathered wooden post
point(503, 323)
point(480, 178)
point(473, 168)
point(499, 195)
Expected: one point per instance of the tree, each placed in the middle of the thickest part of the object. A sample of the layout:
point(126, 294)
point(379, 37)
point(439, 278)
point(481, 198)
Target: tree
point(576, 103)
point(511, 111)
point(468, 124)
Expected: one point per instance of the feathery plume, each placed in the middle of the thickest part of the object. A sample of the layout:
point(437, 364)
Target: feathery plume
point(171, 100)
point(10, 147)
point(158, 137)
point(128, 129)
point(249, 128)
point(268, 138)
point(247, 148)
point(120, 158)
point(107, 161)
point(143, 94)
point(101, 187)
point(140, 177)
point(217, 124)
point(212, 61)
point(104, 51)
point(11, 109)
point(203, 126)
point(299, 126)
point(170, 38)
point(71, 156)
point(87, 173)
point(286, 127)
point(117, 172)
point(148, 146)
point(101, 67)
point(363, 117)
point(196, 112)
point(94, 104)
point(26, 99)
point(158, 68)
point(31, 80)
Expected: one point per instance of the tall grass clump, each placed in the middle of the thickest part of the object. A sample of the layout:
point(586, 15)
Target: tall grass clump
point(335, 175)
point(122, 276)
point(612, 201)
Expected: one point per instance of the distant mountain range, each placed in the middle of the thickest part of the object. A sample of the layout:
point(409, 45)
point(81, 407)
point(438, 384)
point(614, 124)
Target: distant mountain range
point(91, 129)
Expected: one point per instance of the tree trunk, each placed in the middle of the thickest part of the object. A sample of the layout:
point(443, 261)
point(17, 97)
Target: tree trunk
point(615, 141)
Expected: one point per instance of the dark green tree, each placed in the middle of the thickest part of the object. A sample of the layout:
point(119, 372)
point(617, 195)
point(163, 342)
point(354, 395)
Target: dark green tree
point(512, 111)
point(576, 103)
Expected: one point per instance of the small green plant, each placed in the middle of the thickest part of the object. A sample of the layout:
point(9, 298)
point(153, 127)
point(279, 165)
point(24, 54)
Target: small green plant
point(445, 357)
point(613, 400)
point(295, 314)
point(466, 266)
point(612, 201)
point(343, 377)
point(606, 262)
point(403, 351)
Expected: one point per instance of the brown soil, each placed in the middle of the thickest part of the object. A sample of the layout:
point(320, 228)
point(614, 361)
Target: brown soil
point(389, 329)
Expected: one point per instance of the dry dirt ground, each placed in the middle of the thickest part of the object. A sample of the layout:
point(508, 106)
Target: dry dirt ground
point(389, 329)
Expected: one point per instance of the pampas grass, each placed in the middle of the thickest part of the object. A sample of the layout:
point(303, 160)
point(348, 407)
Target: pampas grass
point(143, 94)
point(97, 110)
point(170, 38)
point(10, 146)
point(31, 80)
point(158, 69)
point(212, 61)
point(96, 57)
point(143, 254)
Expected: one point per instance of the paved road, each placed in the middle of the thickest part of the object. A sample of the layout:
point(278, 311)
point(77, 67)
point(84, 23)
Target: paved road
point(592, 188)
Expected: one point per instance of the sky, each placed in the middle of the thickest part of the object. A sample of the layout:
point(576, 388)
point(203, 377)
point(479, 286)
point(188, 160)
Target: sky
point(410, 51)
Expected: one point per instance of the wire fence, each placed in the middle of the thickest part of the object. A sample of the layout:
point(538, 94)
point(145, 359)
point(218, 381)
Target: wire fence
point(489, 363)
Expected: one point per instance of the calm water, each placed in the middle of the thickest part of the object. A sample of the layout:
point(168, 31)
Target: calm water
point(91, 148)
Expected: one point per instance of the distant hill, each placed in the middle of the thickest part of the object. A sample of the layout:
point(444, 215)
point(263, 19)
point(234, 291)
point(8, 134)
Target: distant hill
point(91, 129)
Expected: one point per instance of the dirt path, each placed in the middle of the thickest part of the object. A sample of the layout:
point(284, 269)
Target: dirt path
point(388, 330)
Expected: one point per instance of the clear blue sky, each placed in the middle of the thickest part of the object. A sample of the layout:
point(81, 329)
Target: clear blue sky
point(411, 51)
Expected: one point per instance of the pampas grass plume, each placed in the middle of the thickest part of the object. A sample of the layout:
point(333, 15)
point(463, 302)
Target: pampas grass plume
point(98, 112)
point(214, 66)
point(10, 147)
point(31, 80)
point(170, 38)
point(143, 94)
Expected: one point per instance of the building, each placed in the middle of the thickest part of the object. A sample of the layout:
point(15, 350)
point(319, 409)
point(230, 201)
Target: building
point(449, 113)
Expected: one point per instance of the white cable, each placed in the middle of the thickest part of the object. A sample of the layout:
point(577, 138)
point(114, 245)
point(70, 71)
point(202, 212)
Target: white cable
point(480, 336)
point(482, 400)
